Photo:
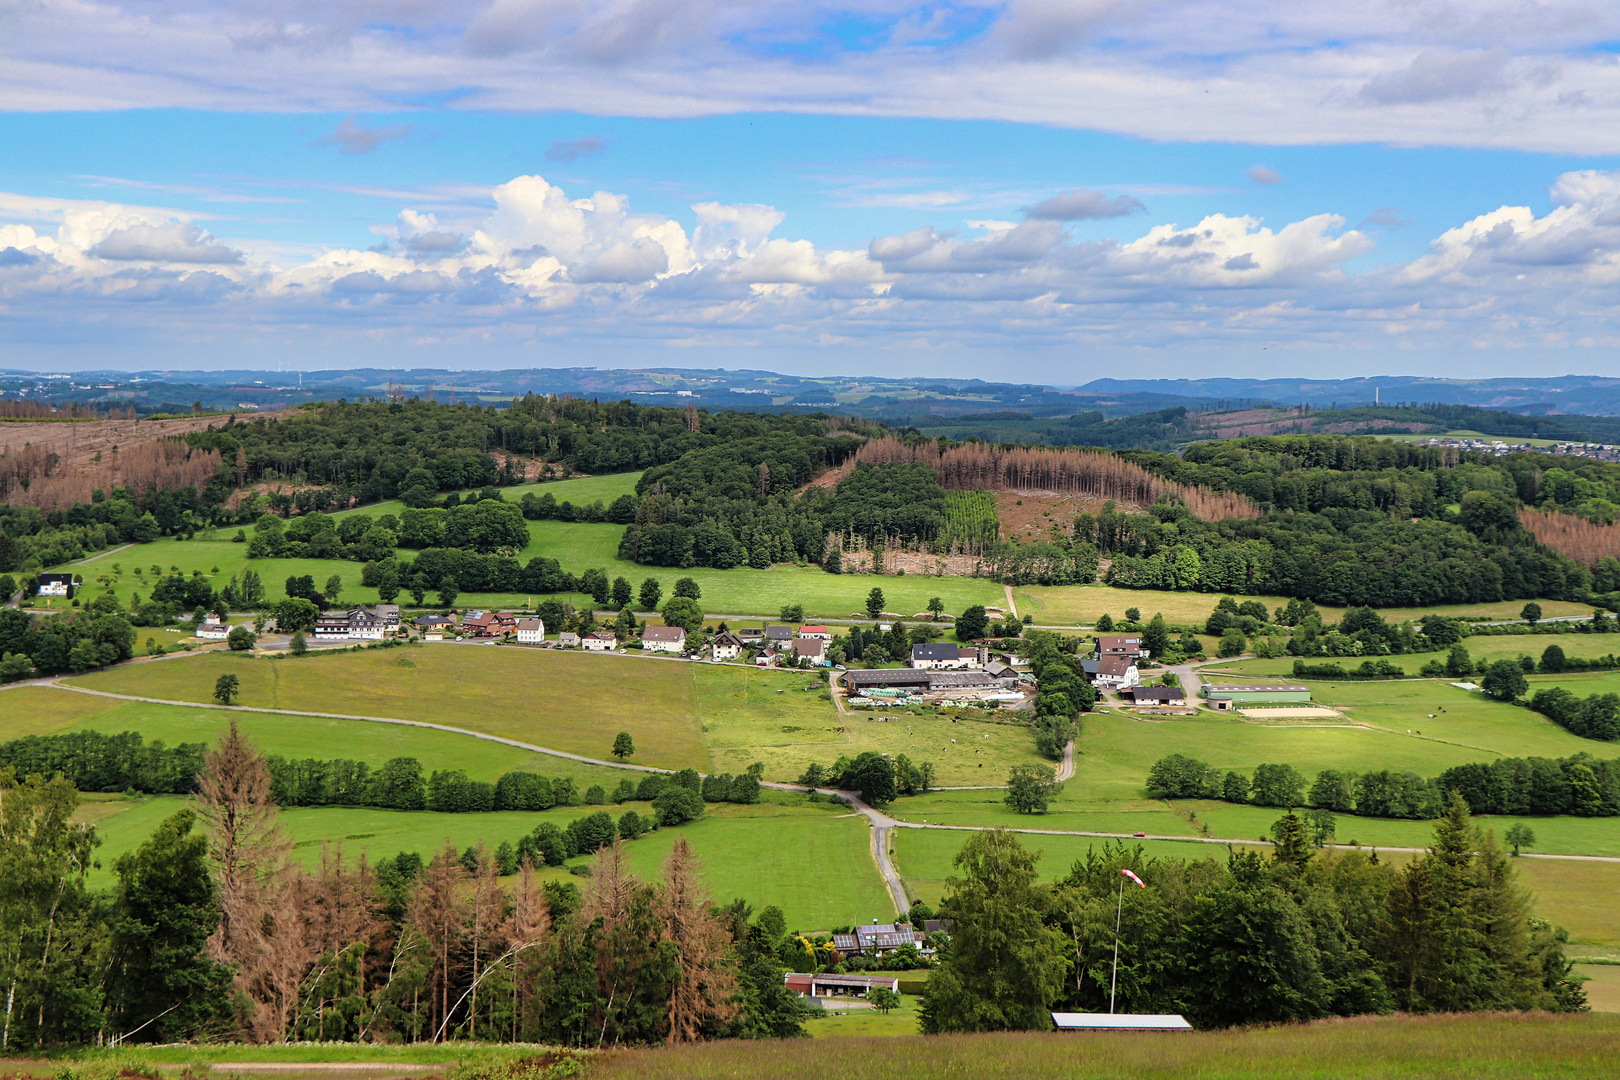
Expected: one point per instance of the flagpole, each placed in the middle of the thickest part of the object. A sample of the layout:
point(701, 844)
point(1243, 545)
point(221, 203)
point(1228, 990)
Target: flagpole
point(1113, 981)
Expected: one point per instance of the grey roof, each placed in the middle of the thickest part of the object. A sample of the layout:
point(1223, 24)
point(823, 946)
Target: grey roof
point(962, 680)
point(935, 650)
point(1216, 690)
point(888, 677)
point(779, 633)
point(1159, 693)
point(728, 638)
point(1119, 1021)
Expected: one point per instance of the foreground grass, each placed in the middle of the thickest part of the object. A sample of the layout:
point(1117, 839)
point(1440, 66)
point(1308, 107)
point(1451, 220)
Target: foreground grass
point(1516, 1046)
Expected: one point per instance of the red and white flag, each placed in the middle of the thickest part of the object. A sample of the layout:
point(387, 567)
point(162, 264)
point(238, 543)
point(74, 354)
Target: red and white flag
point(1140, 883)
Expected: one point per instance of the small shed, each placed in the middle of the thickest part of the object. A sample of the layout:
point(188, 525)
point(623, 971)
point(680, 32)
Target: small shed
point(1120, 1022)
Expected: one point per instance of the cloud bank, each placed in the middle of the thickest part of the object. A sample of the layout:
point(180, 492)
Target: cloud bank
point(1495, 73)
point(543, 265)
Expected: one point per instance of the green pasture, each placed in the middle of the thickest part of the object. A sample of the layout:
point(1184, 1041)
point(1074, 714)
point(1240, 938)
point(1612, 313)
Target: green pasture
point(924, 856)
point(1069, 605)
point(813, 862)
point(704, 716)
point(579, 490)
point(1483, 647)
point(1554, 835)
point(1386, 726)
point(40, 710)
point(1075, 810)
point(313, 737)
point(866, 1023)
point(745, 719)
point(1602, 986)
point(575, 702)
point(578, 546)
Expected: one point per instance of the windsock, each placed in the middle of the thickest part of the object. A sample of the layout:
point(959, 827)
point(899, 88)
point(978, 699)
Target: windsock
point(1139, 882)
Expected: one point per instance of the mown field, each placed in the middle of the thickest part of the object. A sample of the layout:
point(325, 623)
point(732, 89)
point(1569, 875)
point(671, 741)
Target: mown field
point(1484, 647)
point(1069, 605)
point(27, 710)
point(761, 853)
point(703, 716)
point(575, 702)
point(1509, 1047)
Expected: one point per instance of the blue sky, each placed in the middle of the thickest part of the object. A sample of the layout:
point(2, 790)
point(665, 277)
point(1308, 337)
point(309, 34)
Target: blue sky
point(1045, 189)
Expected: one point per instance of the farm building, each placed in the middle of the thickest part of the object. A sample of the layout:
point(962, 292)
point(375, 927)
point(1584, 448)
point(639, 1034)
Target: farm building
point(878, 938)
point(1158, 695)
point(885, 677)
point(1111, 672)
point(212, 629)
point(489, 624)
point(812, 649)
point(1229, 695)
point(360, 622)
point(726, 646)
point(55, 584)
point(828, 986)
point(667, 639)
point(926, 681)
point(1119, 645)
point(941, 655)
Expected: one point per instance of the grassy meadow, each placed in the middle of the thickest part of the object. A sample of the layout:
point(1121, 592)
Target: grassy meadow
point(759, 852)
point(575, 702)
point(1488, 1047)
point(703, 716)
point(33, 710)
point(1068, 605)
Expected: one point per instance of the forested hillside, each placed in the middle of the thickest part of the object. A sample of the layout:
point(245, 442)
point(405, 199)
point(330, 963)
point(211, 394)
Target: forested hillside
point(1343, 520)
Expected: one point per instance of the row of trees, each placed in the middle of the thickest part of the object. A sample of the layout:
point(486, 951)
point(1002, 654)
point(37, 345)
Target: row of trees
point(1580, 785)
point(1297, 936)
point(94, 761)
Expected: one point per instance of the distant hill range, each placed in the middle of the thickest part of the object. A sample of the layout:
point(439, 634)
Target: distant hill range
point(1578, 395)
point(1158, 414)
